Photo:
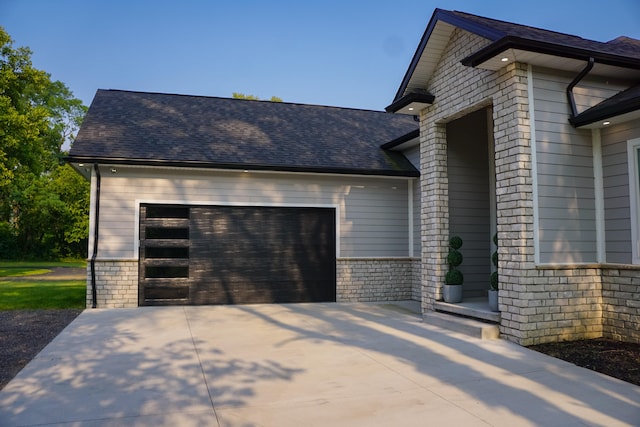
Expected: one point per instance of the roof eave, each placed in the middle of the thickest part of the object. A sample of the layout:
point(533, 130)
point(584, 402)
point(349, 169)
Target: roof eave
point(599, 115)
point(243, 167)
point(512, 42)
point(411, 103)
point(450, 18)
point(399, 141)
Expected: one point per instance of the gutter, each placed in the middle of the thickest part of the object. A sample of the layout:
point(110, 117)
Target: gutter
point(94, 254)
point(574, 82)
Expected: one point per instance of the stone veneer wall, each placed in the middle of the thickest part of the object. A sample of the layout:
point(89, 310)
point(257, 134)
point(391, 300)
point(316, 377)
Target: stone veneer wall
point(375, 279)
point(357, 279)
point(116, 284)
point(553, 304)
point(621, 302)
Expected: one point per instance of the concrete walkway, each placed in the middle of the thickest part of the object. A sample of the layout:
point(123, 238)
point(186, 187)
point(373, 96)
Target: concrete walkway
point(299, 365)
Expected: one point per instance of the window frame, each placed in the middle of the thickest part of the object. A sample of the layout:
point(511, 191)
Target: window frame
point(633, 162)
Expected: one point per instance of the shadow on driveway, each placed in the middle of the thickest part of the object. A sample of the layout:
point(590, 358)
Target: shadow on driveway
point(300, 364)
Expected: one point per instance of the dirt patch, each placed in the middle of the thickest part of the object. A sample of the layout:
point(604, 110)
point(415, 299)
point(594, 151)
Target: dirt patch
point(24, 333)
point(617, 359)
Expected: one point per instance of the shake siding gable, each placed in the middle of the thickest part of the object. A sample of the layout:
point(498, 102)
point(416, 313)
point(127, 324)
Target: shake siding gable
point(372, 211)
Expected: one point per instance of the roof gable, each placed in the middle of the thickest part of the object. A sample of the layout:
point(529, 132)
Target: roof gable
point(164, 129)
point(516, 42)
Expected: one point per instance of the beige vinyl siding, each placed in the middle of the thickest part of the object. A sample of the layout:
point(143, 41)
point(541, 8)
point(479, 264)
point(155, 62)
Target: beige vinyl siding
point(413, 155)
point(565, 178)
point(615, 172)
point(373, 211)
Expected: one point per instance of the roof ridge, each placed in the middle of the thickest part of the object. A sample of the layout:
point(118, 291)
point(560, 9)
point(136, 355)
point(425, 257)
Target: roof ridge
point(241, 99)
point(530, 27)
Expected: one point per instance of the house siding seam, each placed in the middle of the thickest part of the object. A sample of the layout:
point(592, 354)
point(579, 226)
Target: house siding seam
point(374, 279)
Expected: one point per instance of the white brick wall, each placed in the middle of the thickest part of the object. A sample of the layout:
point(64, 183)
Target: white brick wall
point(375, 279)
point(116, 284)
point(621, 302)
point(357, 279)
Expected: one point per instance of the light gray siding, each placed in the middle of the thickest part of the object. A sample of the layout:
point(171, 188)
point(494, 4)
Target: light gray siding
point(565, 177)
point(413, 155)
point(373, 219)
point(615, 173)
point(469, 201)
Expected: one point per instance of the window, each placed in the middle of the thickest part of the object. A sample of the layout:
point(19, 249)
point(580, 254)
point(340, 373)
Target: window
point(633, 152)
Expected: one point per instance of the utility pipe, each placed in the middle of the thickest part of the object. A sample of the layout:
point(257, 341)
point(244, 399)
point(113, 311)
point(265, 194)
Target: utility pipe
point(574, 82)
point(94, 255)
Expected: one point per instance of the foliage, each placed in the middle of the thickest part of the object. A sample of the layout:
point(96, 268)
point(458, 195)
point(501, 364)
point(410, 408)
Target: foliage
point(43, 204)
point(238, 95)
point(493, 279)
point(454, 259)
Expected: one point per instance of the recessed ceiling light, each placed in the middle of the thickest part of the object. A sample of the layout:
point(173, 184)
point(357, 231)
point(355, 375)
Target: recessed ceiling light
point(606, 123)
point(410, 108)
point(505, 59)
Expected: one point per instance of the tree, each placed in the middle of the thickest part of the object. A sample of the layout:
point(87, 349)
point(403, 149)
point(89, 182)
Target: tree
point(37, 115)
point(237, 95)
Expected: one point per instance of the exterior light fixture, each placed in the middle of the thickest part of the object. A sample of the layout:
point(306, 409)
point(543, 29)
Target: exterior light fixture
point(505, 59)
point(606, 123)
point(114, 170)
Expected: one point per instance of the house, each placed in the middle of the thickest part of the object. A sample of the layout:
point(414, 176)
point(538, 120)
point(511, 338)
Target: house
point(535, 135)
point(496, 128)
point(203, 200)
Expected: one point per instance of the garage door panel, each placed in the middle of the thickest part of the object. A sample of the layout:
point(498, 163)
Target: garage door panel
point(250, 254)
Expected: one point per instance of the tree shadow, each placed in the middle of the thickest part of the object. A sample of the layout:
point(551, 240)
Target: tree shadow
point(240, 365)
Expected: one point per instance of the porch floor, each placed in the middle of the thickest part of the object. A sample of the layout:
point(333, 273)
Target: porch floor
point(476, 308)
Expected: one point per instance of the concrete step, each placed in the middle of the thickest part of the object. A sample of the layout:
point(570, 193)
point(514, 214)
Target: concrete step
point(471, 327)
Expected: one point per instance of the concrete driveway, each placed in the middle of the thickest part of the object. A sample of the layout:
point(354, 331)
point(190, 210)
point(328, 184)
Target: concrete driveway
point(299, 365)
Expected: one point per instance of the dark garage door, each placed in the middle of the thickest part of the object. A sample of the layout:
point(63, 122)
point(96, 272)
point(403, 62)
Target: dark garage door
point(236, 254)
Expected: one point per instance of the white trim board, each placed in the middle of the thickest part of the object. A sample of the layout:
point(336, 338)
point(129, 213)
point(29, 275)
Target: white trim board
point(633, 145)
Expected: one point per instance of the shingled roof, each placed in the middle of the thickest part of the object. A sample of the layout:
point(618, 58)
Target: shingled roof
point(622, 51)
point(619, 57)
point(179, 130)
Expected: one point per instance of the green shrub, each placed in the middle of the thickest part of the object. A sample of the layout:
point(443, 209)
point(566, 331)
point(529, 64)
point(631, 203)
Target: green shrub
point(454, 259)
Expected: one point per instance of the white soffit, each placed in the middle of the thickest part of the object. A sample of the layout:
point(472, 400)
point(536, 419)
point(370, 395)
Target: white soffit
point(430, 56)
point(555, 62)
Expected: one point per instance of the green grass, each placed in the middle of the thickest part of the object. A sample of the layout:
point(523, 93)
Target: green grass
point(43, 264)
point(35, 294)
point(21, 295)
point(21, 271)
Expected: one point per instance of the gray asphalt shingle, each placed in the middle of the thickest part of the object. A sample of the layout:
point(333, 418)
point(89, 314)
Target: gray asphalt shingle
point(155, 128)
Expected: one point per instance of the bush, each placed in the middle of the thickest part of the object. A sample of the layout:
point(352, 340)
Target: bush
point(454, 259)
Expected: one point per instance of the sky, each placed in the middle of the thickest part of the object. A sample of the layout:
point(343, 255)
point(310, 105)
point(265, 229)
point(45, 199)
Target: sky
point(346, 53)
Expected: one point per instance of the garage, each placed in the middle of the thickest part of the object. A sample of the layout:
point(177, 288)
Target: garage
point(236, 254)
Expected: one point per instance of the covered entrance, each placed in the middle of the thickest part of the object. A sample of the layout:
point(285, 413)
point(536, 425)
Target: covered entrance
point(471, 199)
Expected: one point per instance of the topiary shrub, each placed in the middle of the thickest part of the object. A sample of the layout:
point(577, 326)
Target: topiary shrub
point(454, 259)
point(493, 279)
